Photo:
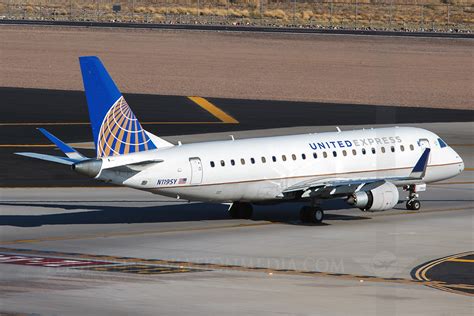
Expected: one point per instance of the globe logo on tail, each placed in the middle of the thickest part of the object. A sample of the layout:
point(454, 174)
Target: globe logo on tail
point(121, 133)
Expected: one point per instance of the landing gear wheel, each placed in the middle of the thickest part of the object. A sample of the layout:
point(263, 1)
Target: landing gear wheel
point(317, 215)
point(413, 205)
point(310, 214)
point(240, 210)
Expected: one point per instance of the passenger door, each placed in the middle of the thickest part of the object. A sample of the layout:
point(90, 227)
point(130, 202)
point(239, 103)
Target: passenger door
point(196, 170)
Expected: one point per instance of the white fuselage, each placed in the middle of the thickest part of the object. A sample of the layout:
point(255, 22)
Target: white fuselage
point(259, 169)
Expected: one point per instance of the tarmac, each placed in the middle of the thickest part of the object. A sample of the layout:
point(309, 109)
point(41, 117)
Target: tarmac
point(147, 254)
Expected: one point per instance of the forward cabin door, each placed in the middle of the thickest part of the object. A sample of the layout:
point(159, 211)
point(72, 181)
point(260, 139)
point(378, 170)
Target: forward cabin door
point(196, 170)
point(424, 143)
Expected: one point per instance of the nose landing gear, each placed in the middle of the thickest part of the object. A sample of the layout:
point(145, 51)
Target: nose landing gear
point(413, 203)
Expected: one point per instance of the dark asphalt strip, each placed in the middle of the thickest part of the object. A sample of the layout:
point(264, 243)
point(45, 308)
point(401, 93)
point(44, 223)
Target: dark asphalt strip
point(181, 115)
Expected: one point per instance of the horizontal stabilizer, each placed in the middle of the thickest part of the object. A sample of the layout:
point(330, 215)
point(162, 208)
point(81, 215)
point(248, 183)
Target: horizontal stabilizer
point(56, 159)
point(65, 148)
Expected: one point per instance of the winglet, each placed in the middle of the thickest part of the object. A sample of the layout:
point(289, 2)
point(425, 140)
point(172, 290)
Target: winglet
point(420, 168)
point(65, 148)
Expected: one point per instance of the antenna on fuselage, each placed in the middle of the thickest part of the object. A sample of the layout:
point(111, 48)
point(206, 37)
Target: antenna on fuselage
point(338, 129)
point(232, 137)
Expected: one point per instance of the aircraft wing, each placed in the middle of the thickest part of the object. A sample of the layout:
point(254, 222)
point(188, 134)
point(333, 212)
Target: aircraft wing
point(337, 187)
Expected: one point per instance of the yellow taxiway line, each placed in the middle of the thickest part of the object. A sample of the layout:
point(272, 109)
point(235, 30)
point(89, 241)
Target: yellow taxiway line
point(462, 260)
point(214, 110)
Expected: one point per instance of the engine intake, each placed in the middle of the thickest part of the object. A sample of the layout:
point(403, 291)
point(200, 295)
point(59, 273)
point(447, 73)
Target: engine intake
point(381, 198)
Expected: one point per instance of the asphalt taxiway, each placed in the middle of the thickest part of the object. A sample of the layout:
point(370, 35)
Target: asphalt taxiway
point(153, 254)
point(64, 113)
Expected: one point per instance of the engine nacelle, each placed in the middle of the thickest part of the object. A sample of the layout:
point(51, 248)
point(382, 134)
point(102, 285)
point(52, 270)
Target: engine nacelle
point(381, 198)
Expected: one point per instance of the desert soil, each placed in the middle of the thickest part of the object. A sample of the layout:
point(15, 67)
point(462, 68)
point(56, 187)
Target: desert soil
point(426, 72)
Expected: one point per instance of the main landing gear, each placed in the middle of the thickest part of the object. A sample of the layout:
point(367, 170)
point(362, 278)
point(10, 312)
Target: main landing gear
point(413, 203)
point(241, 210)
point(311, 214)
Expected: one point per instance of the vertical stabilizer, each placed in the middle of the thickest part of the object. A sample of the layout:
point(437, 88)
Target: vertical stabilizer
point(115, 128)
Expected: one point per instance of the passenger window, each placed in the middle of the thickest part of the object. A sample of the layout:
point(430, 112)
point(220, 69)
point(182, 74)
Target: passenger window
point(315, 155)
point(303, 156)
point(334, 153)
point(252, 160)
point(412, 147)
point(392, 148)
point(325, 155)
point(402, 148)
point(274, 158)
point(264, 160)
point(283, 157)
point(354, 152)
point(373, 150)
point(242, 161)
point(383, 150)
point(344, 152)
point(293, 157)
point(222, 163)
point(363, 151)
point(213, 164)
point(232, 162)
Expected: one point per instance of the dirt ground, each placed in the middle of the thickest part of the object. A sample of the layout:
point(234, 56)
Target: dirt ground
point(329, 68)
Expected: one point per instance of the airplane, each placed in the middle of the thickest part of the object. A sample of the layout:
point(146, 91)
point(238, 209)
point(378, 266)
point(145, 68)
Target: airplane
point(364, 167)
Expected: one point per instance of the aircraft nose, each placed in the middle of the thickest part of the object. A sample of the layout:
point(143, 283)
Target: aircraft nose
point(461, 162)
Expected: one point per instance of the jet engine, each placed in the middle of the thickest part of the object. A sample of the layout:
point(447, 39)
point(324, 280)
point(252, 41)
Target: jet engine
point(383, 197)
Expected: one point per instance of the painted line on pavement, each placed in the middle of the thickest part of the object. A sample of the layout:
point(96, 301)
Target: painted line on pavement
point(214, 110)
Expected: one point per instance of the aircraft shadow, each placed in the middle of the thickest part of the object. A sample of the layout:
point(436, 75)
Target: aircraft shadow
point(101, 214)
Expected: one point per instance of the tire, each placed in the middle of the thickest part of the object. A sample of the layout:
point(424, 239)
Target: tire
point(317, 215)
point(413, 205)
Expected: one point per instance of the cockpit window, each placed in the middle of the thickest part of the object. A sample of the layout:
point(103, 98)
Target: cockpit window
point(442, 144)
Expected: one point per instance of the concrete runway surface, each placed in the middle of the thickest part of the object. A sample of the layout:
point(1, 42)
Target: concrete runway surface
point(119, 251)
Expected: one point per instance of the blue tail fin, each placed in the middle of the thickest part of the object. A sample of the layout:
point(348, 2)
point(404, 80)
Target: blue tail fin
point(115, 128)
